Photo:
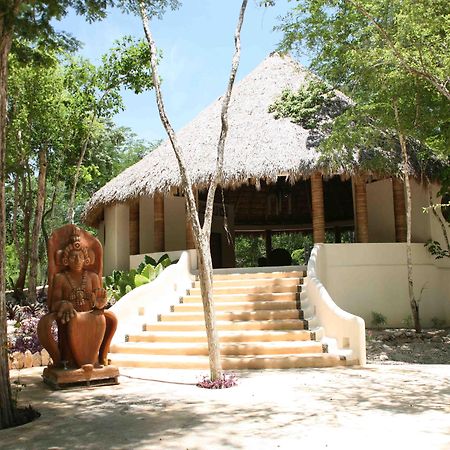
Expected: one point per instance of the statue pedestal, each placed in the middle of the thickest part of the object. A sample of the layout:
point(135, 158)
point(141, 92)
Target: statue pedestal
point(58, 378)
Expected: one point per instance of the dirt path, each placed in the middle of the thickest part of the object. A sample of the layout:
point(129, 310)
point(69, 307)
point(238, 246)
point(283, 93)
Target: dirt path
point(400, 346)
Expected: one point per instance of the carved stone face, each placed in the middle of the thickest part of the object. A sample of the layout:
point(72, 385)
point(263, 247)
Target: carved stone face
point(76, 260)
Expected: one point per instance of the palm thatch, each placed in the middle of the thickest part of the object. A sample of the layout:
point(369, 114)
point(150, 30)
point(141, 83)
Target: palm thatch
point(258, 145)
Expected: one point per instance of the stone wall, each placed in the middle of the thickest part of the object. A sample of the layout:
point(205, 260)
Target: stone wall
point(26, 360)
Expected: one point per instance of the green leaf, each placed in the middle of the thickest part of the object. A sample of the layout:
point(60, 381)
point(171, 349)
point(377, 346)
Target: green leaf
point(149, 260)
point(140, 280)
point(158, 269)
point(149, 272)
point(165, 260)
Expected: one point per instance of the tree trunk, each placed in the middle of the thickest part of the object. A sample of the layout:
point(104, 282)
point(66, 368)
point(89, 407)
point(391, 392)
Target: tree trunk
point(27, 204)
point(71, 208)
point(6, 404)
point(412, 301)
point(40, 203)
point(206, 287)
point(201, 235)
point(438, 218)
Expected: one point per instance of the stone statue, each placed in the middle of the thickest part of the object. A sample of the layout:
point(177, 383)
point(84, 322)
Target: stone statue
point(76, 300)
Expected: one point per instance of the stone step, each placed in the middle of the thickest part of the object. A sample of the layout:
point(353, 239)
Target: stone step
point(224, 336)
point(268, 282)
point(287, 324)
point(226, 349)
point(229, 362)
point(258, 297)
point(238, 306)
point(254, 289)
point(263, 275)
point(234, 315)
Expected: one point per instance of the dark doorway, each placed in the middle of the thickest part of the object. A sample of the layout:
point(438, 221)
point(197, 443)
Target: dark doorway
point(216, 250)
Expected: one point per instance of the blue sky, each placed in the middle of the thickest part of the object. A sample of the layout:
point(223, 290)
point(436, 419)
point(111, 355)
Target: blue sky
point(197, 43)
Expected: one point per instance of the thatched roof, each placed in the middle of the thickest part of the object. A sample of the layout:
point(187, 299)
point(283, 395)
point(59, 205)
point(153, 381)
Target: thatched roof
point(258, 146)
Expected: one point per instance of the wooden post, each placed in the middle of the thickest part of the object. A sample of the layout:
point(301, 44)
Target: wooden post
point(134, 228)
point(318, 213)
point(398, 194)
point(361, 215)
point(158, 202)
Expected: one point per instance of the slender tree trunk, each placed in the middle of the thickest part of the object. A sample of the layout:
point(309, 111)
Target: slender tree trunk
point(6, 406)
point(71, 208)
point(49, 211)
point(40, 203)
point(27, 201)
point(412, 301)
point(201, 234)
point(438, 218)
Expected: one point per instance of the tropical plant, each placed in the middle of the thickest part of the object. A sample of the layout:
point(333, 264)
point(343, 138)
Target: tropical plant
point(434, 247)
point(25, 320)
point(121, 282)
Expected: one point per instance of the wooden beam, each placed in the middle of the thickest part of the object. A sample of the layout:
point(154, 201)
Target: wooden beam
point(318, 212)
point(398, 194)
point(159, 238)
point(361, 215)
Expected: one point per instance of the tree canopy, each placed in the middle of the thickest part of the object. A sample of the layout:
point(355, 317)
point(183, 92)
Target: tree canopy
point(377, 52)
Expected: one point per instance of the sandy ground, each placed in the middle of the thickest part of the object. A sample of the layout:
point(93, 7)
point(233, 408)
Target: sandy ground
point(388, 406)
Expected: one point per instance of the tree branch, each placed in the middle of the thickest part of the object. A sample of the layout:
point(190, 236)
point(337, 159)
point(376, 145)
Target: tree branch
point(440, 85)
point(186, 180)
point(224, 120)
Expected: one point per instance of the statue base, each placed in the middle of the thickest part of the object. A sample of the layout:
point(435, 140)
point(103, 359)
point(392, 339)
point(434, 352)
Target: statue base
point(88, 376)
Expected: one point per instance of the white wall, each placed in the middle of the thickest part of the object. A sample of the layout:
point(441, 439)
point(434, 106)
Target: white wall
point(116, 248)
point(380, 205)
point(174, 223)
point(421, 226)
point(380, 209)
point(362, 278)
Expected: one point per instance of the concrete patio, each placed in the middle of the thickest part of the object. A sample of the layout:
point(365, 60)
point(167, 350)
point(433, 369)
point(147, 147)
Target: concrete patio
point(379, 406)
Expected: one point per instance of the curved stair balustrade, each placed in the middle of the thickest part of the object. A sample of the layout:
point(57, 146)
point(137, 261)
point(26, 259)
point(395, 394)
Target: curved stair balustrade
point(347, 329)
point(145, 303)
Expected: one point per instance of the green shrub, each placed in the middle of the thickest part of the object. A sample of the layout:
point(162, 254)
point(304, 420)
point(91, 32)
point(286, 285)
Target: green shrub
point(378, 319)
point(120, 282)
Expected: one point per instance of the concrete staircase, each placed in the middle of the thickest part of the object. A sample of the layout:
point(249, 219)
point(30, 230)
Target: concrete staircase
point(263, 321)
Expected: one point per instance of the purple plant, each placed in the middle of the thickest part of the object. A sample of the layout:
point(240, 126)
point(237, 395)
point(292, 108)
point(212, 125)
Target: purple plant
point(25, 333)
point(227, 380)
